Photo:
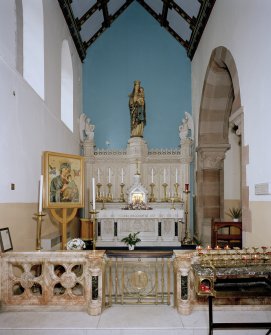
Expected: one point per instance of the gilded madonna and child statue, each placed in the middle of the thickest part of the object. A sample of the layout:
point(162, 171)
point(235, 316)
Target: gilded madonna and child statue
point(137, 110)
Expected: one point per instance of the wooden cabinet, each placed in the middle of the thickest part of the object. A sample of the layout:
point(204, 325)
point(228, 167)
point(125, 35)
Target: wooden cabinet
point(86, 229)
point(226, 233)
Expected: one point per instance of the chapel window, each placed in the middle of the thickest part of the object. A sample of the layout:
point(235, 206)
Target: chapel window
point(66, 86)
point(33, 45)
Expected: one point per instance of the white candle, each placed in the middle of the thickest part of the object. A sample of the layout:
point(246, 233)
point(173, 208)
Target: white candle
point(40, 194)
point(164, 176)
point(122, 176)
point(176, 175)
point(109, 179)
point(93, 194)
point(98, 175)
point(152, 175)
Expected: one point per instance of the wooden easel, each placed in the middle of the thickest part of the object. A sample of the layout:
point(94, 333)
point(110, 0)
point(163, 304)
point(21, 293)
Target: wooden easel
point(64, 220)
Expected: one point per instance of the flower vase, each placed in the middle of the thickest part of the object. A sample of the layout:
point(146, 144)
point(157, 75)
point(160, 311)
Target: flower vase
point(131, 247)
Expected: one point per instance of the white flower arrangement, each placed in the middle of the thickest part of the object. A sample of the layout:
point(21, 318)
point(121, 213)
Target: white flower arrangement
point(76, 244)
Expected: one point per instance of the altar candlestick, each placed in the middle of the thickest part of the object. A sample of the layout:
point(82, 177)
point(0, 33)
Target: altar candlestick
point(109, 178)
point(176, 176)
point(164, 175)
point(152, 175)
point(98, 175)
point(93, 194)
point(122, 175)
point(40, 194)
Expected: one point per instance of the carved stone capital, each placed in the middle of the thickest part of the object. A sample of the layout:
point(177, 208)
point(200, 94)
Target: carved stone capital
point(212, 157)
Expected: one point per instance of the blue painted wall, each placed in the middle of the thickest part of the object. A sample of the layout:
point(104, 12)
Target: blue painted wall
point(136, 47)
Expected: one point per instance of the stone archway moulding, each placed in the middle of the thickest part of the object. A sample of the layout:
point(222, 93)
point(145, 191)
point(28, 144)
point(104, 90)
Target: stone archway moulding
point(220, 103)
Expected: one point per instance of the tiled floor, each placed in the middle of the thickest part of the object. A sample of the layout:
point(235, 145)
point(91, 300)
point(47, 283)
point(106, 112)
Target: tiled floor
point(132, 320)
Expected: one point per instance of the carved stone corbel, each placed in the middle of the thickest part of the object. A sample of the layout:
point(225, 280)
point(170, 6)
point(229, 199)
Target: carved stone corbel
point(237, 120)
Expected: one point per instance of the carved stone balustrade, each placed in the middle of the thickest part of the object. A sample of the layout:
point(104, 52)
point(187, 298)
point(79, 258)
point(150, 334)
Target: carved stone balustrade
point(70, 280)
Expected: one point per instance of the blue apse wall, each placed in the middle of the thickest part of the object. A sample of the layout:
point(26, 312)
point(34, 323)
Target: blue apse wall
point(136, 47)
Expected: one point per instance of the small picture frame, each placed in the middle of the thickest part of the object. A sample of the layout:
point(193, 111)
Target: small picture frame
point(64, 180)
point(5, 240)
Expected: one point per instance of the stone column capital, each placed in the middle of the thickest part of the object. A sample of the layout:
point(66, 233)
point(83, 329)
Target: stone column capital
point(212, 157)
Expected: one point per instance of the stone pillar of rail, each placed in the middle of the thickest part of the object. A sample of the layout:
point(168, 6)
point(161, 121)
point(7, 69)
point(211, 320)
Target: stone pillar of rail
point(183, 280)
point(95, 271)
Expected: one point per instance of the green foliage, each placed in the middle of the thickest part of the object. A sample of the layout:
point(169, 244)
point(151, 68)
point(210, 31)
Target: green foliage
point(235, 213)
point(131, 239)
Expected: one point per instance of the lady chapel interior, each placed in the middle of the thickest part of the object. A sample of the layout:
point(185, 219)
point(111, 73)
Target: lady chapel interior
point(68, 69)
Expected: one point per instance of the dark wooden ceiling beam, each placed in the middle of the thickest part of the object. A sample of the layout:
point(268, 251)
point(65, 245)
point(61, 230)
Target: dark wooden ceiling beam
point(103, 28)
point(87, 15)
point(190, 20)
point(166, 25)
point(103, 6)
point(164, 12)
point(121, 9)
point(202, 19)
point(71, 22)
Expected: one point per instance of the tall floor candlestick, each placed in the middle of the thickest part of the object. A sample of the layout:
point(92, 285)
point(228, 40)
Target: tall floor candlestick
point(187, 239)
point(93, 218)
point(39, 217)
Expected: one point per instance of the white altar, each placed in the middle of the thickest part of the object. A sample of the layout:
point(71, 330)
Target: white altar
point(160, 226)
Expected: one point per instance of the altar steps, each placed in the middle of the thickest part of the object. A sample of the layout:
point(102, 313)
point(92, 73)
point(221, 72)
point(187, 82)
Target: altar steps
point(130, 320)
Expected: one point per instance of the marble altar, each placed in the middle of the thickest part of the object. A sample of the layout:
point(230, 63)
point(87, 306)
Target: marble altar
point(159, 226)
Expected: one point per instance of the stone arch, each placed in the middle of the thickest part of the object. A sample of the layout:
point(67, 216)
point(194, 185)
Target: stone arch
point(219, 103)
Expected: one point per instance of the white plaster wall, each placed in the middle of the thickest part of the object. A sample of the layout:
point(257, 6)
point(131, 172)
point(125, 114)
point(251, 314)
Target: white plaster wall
point(242, 27)
point(29, 125)
point(8, 32)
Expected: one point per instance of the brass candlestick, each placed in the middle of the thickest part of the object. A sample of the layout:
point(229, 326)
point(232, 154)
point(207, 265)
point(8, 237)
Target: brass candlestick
point(165, 191)
point(93, 217)
point(121, 192)
point(109, 195)
point(172, 203)
point(152, 198)
point(187, 239)
point(39, 217)
point(99, 198)
point(176, 196)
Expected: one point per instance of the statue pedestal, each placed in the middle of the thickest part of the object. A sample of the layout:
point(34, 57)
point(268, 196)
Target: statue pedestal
point(137, 148)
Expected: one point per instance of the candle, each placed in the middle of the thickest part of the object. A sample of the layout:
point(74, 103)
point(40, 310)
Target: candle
point(93, 194)
point(164, 176)
point(152, 175)
point(122, 176)
point(176, 175)
point(98, 175)
point(186, 187)
point(109, 178)
point(40, 194)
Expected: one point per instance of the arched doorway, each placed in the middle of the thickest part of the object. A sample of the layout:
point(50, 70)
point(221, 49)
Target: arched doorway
point(220, 105)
